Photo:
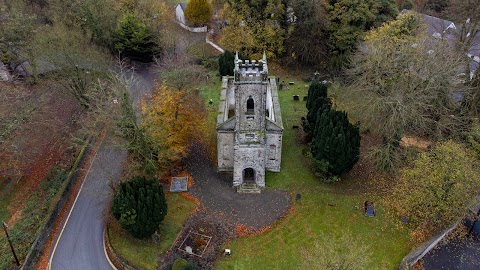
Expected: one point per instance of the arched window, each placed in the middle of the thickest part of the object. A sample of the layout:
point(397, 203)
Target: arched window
point(250, 105)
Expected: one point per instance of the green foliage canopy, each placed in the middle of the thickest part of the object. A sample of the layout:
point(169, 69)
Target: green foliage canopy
point(336, 141)
point(437, 190)
point(198, 12)
point(307, 41)
point(255, 26)
point(348, 20)
point(226, 63)
point(317, 102)
point(134, 39)
point(140, 206)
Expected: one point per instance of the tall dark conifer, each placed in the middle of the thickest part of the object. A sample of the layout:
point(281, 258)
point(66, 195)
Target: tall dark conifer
point(317, 101)
point(140, 206)
point(336, 141)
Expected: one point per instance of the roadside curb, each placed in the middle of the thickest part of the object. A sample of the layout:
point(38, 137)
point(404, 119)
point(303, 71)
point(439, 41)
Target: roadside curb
point(107, 248)
point(116, 260)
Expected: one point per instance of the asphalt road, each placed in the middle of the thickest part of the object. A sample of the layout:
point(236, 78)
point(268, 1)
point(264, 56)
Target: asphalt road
point(460, 253)
point(80, 245)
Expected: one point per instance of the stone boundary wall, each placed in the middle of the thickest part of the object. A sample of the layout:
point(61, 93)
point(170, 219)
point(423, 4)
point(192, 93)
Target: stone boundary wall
point(215, 46)
point(414, 256)
point(44, 234)
point(202, 29)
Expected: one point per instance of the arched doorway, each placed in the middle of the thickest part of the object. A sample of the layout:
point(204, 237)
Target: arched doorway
point(249, 175)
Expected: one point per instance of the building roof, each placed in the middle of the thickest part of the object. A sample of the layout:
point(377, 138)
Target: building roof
point(183, 5)
point(227, 125)
point(438, 28)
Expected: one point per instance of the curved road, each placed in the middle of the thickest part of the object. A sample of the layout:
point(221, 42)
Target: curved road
point(80, 243)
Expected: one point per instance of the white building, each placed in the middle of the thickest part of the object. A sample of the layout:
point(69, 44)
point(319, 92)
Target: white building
point(180, 12)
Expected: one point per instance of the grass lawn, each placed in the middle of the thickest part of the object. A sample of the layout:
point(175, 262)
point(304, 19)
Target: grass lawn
point(145, 253)
point(323, 215)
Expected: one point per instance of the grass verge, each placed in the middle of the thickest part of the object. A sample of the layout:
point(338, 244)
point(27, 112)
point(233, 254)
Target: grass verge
point(33, 217)
point(145, 253)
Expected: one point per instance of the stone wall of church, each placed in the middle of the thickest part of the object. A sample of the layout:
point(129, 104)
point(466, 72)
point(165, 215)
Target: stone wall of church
point(250, 121)
point(225, 143)
point(273, 148)
point(249, 157)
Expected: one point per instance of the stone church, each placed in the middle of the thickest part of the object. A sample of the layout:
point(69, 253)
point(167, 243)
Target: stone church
point(249, 125)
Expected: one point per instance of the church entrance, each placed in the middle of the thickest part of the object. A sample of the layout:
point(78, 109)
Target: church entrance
point(248, 175)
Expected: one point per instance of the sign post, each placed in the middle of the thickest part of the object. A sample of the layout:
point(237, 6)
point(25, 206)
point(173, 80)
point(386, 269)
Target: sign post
point(10, 242)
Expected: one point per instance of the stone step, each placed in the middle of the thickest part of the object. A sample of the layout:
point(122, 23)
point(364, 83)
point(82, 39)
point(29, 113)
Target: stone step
point(248, 188)
point(244, 191)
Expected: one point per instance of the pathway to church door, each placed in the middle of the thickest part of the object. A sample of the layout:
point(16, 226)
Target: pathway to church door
point(248, 175)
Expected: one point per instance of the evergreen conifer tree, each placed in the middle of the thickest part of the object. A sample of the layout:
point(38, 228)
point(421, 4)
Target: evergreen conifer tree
point(317, 101)
point(134, 39)
point(140, 206)
point(336, 141)
point(226, 63)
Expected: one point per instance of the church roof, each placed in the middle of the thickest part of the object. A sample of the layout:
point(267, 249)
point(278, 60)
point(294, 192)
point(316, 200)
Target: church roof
point(227, 125)
point(271, 126)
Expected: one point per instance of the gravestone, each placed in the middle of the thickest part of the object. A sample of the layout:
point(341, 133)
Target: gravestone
point(179, 184)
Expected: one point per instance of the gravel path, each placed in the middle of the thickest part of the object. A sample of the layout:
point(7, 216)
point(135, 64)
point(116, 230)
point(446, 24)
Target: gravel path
point(216, 194)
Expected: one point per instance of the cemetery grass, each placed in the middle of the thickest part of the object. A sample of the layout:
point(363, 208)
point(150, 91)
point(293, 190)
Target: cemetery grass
point(323, 213)
point(145, 253)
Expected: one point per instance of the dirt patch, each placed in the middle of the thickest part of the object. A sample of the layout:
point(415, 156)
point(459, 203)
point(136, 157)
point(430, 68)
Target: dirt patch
point(222, 214)
point(363, 178)
point(201, 223)
point(410, 141)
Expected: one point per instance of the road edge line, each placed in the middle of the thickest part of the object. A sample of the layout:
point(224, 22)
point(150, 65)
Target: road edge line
point(105, 249)
point(70, 212)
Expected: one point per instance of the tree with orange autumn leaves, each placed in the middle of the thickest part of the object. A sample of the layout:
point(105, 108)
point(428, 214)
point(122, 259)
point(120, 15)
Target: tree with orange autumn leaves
point(172, 118)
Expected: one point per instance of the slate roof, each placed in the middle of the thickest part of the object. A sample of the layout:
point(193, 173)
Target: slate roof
point(437, 27)
point(183, 5)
